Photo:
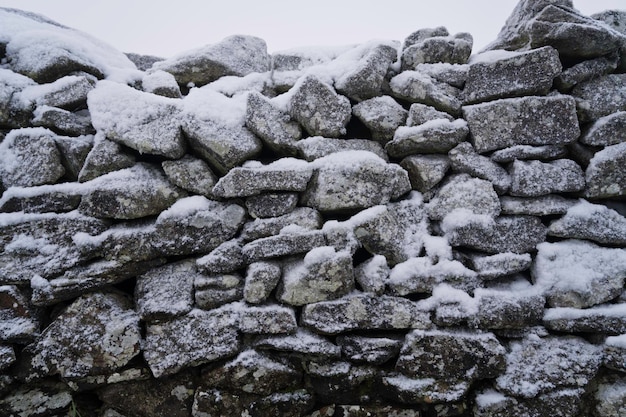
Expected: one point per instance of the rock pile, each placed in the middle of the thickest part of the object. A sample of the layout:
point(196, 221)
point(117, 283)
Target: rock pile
point(384, 229)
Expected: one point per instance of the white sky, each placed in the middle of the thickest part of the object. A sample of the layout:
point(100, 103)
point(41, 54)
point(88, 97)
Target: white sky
point(167, 27)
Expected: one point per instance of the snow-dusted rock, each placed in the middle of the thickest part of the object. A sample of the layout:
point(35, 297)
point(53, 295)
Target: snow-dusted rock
point(592, 222)
point(436, 136)
point(63, 121)
point(268, 319)
point(341, 381)
point(425, 171)
point(463, 192)
point(365, 312)
point(235, 55)
point(615, 20)
point(29, 401)
point(452, 74)
point(161, 83)
point(288, 404)
point(422, 113)
point(19, 321)
point(365, 80)
point(225, 258)
point(610, 397)
point(318, 108)
point(604, 176)
point(425, 390)
point(559, 403)
point(607, 319)
point(105, 156)
point(15, 111)
point(372, 275)
point(74, 151)
point(261, 279)
point(303, 342)
point(579, 274)
point(269, 205)
point(304, 217)
point(523, 152)
point(7, 356)
point(600, 97)
point(586, 70)
point(317, 147)
point(69, 92)
point(508, 309)
point(381, 115)
point(438, 49)
point(545, 205)
point(463, 158)
point(606, 131)
point(418, 87)
point(422, 275)
point(535, 178)
point(541, 365)
point(501, 74)
point(372, 350)
point(284, 244)
point(615, 353)
point(191, 174)
point(58, 198)
point(216, 290)
point(423, 34)
point(496, 266)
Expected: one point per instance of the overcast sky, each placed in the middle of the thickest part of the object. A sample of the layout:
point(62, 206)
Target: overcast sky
point(167, 27)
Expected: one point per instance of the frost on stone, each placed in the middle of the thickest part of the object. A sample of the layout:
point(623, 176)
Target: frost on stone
point(304, 217)
point(425, 390)
point(268, 319)
point(381, 115)
point(425, 171)
point(261, 279)
point(463, 158)
point(213, 291)
point(191, 174)
point(269, 205)
point(607, 319)
point(14, 111)
point(437, 49)
point(422, 113)
point(605, 177)
point(57, 198)
point(606, 131)
point(491, 267)
point(227, 257)
point(610, 397)
point(594, 222)
point(47, 397)
point(579, 274)
point(303, 342)
point(524, 152)
point(160, 83)
point(295, 242)
point(560, 403)
point(104, 157)
point(372, 275)
point(371, 350)
point(19, 321)
point(545, 205)
point(600, 97)
point(535, 178)
point(421, 275)
point(465, 193)
point(317, 147)
point(508, 308)
point(417, 87)
point(435, 136)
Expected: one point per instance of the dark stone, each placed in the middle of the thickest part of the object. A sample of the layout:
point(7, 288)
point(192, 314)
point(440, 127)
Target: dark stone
point(372, 350)
point(585, 71)
point(545, 205)
point(19, 320)
point(214, 291)
point(225, 258)
point(74, 151)
point(417, 87)
point(304, 217)
point(63, 121)
point(600, 97)
point(560, 403)
point(269, 205)
point(282, 245)
point(607, 319)
point(507, 310)
point(606, 131)
point(59, 198)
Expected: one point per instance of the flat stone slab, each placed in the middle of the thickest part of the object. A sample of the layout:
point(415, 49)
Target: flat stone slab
point(600, 97)
point(462, 192)
point(227, 257)
point(304, 217)
point(436, 136)
point(381, 115)
point(607, 319)
point(417, 87)
point(422, 275)
point(425, 390)
point(594, 222)
point(372, 350)
point(464, 159)
point(18, 319)
point(268, 319)
point(560, 403)
point(508, 309)
point(545, 205)
point(270, 205)
point(282, 245)
point(524, 152)
point(303, 342)
point(502, 264)
point(317, 147)
point(535, 178)
point(606, 131)
point(191, 174)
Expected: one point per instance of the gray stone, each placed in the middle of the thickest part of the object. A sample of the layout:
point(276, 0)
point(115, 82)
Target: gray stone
point(615, 20)
point(610, 398)
point(14, 112)
point(494, 75)
point(304, 217)
point(464, 159)
point(340, 235)
point(30, 401)
point(452, 74)
point(318, 108)
point(579, 274)
point(606, 319)
point(261, 279)
point(143, 62)
point(303, 342)
point(105, 156)
point(142, 121)
point(463, 192)
point(421, 113)
point(504, 309)
point(537, 366)
point(196, 338)
point(19, 321)
point(491, 267)
point(30, 157)
point(615, 353)
point(269, 205)
point(216, 290)
point(214, 402)
point(283, 244)
point(288, 404)
point(191, 174)
point(438, 49)
point(131, 193)
point(417, 87)
point(518, 234)
point(69, 92)
point(585, 71)
point(372, 275)
point(165, 292)
point(591, 222)
point(600, 97)
point(7, 357)
point(286, 174)
point(606, 131)
point(522, 121)
point(365, 79)
point(58, 198)
point(423, 34)
point(545, 205)
point(381, 115)
point(436, 136)
point(341, 381)
point(535, 178)
point(272, 125)
point(268, 319)
point(424, 390)
point(425, 171)
point(317, 147)
point(97, 334)
point(161, 83)
point(353, 180)
point(560, 403)
point(523, 152)
point(235, 55)
point(322, 275)
point(371, 350)
point(225, 258)
point(74, 151)
point(63, 121)
point(364, 312)
point(604, 176)
point(421, 275)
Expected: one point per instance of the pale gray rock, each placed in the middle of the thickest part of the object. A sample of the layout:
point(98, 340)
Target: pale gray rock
point(131, 193)
point(63, 121)
point(145, 122)
point(464, 159)
point(196, 338)
point(318, 108)
point(105, 156)
point(594, 222)
point(371, 350)
point(53, 397)
point(381, 115)
point(364, 312)
point(545, 205)
point(504, 309)
point(606, 319)
point(438, 49)
point(604, 176)
point(535, 178)
point(73, 151)
point(14, 111)
point(304, 343)
point(523, 152)
point(19, 321)
point(435, 136)
point(499, 74)
point(606, 131)
point(452, 74)
point(421, 113)
point(372, 275)
point(165, 292)
point(600, 97)
point(269, 205)
point(261, 279)
point(586, 70)
point(491, 267)
point(304, 217)
point(283, 244)
point(417, 87)
point(615, 20)
point(214, 291)
point(425, 171)
point(463, 192)
point(513, 121)
point(537, 366)
point(225, 258)
point(440, 392)
point(423, 34)
point(322, 275)
point(237, 55)
point(420, 275)
point(559, 403)
point(143, 62)
point(268, 319)
point(317, 147)
point(161, 83)
point(30, 157)
point(191, 174)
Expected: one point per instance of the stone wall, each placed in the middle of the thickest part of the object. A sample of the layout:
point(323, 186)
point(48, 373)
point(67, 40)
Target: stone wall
point(377, 230)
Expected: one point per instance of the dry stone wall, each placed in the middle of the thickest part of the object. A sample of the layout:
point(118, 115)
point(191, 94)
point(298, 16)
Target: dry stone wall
point(376, 230)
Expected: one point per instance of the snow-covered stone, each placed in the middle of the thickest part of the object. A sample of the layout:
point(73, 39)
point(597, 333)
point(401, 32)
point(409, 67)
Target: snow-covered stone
point(463, 158)
point(105, 156)
point(288, 404)
point(269, 205)
point(227, 257)
point(586, 70)
point(58, 198)
point(317, 147)
point(425, 171)
point(523, 152)
point(615, 353)
point(303, 342)
point(424, 390)
point(508, 309)
point(284, 244)
point(463, 192)
point(535, 178)
point(74, 151)
point(604, 177)
point(7, 356)
point(421, 275)
point(191, 174)
point(161, 83)
point(422, 113)
point(436, 136)
point(491, 267)
point(438, 49)
point(304, 217)
point(559, 403)
point(372, 275)
point(19, 321)
point(372, 350)
point(63, 121)
point(592, 222)
point(268, 319)
point(600, 97)
point(545, 205)
point(15, 112)
point(611, 398)
point(381, 115)
point(261, 279)
point(607, 319)
point(216, 290)
point(30, 401)
point(606, 131)
point(417, 87)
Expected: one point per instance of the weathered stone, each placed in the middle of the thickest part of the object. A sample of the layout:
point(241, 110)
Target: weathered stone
point(235, 55)
point(131, 193)
point(610, 398)
point(494, 75)
point(318, 147)
point(545, 205)
point(540, 365)
point(421, 113)
point(14, 111)
point(161, 83)
point(560, 403)
point(604, 176)
point(69, 92)
point(518, 234)
point(214, 291)
point(191, 174)
point(436, 136)
point(196, 338)
point(495, 266)
point(303, 342)
point(270, 205)
point(372, 275)
point(57, 198)
point(288, 404)
point(282, 245)
point(165, 292)
point(423, 34)
point(7, 356)
point(381, 115)
point(606, 131)
point(372, 411)
point(515, 152)
point(608, 319)
point(74, 151)
point(421, 275)
point(318, 108)
point(452, 74)
point(272, 125)
point(97, 334)
point(579, 274)
point(364, 312)
point(615, 353)
point(535, 178)
point(464, 192)
point(342, 382)
point(350, 181)
point(505, 309)
point(213, 402)
point(372, 350)
point(409, 390)
point(104, 157)
point(19, 321)
point(268, 319)
point(340, 235)
point(600, 97)
point(30, 157)
point(464, 159)
point(425, 171)
point(418, 87)
point(143, 62)
point(585, 71)
point(322, 275)
point(63, 121)
point(365, 79)
point(30, 401)
point(142, 121)
point(304, 217)
point(591, 222)
point(522, 121)
point(615, 20)
point(438, 49)
point(225, 258)
point(261, 279)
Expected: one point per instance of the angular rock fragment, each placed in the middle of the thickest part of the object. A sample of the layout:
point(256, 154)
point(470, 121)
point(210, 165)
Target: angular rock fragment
point(381, 115)
point(418, 87)
point(7, 357)
point(214, 291)
point(14, 111)
point(53, 397)
point(372, 275)
point(560, 403)
point(19, 321)
point(604, 176)
point(161, 83)
point(409, 390)
point(535, 178)
point(497, 74)
point(463, 158)
point(615, 353)
point(607, 319)
point(268, 319)
point(452, 74)
point(606, 131)
point(611, 398)
point(364, 312)
point(600, 97)
point(303, 342)
point(502, 264)
point(522, 121)
point(74, 151)
point(423, 34)
point(235, 55)
point(288, 404)
point(365, 80)
point(69, 92)
point(210, 401)
point(585, 71)
point(57, 198)
point(438, 49)
point(436, 136)
point(270, 205)
point(225, 258)
point(421, 275)
point(317, 147)
point(546, 152)
point(283, 244)
point(105, 156)
point(340, 381)
point(261, 279)
point(425, 171)
point(465, 193)
point(421, 113)
point(579, 274)
point(505, 309)
point(191, 174)
point(591, 222)
point(371, 350)
point(304, 217)
point(545, 205)
point(63, 121)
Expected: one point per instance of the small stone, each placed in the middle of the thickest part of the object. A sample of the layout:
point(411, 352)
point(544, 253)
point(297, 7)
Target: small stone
point(341, 381)
point(381, 115)
point(418, 87)
point(371, 350)
point(63, 121)
point(304, 217)
point(600, 97)
point(502, 309)
point(261, 279)
point(604, 176)
point(74, 151)
point(491, 267)
point(318, 108)
point(615, 353)
point(269, 205)
point(606, 131)
point(524, 152)
point(560, 403)
point(423, 34)
point(213, 402)
point(105, 156)
point(606, 319)
point(19, 321)
point(452, 74)
point(425, 171)
point(372, 275)
point(161, 83)
point(303, 342)
point(225, 258)
point(191, 174)
point(438, 49)
point(69, 92)
point(268, 319)
point(283, 244)
point(585, 71)
point(464, 159)
point(591, 222)
point(422, 275)
point(535, 178)
point(463, 192)
point(214, 291)
point(421, 113)
point(14, 111)
point(436, 136)
point(545, 205)
point(317, 147)
point(409, 390)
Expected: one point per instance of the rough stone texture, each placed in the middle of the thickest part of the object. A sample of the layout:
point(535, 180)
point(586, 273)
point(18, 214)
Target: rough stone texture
point(464, 159)
point(603, 176)
point(105, 156)
point(382, 116)
point(504, 310)
point(282, 245)
point(269, 205)
point(304, 217)
point(372, 350)
point(63, 121)
point(261, 279)
point(303, 343)
point(611, 398)
point(585, 71)
point(161, 83)
point(606, 131)
point(436, 136)
point(466, 193)
point(591, 222)
point(600, 97)
point(425, 171)
point(535, 178)
point(523, 152)
point(561, 403)
point(318, 147)
point(500, 265)
point(422, 275)
point(48, 397)
point(19, 320)
point(425, 390)
point(268, 319)
point(445, 49)
point(418, 87)
point(191, 174)
point(58, 198)
point(216, 290)
point(546, 205)
point(372, 274)
point(607, 319)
